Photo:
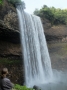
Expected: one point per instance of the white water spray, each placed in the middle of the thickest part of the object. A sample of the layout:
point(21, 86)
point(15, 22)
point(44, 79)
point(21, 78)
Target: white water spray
point(36, 57)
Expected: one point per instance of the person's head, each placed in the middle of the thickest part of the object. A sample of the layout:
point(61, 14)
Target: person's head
point(35, 87)
point(4, 71)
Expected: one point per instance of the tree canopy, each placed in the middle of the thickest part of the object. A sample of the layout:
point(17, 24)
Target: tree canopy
point(55, 16)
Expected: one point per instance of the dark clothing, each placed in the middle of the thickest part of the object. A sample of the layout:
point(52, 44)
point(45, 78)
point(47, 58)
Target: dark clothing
point(5, 84)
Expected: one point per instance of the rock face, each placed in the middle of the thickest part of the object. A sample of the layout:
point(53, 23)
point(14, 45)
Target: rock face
point(54, 33)
point(8, 16)
point(9, 31)
point(10, 46)
point(57, 33)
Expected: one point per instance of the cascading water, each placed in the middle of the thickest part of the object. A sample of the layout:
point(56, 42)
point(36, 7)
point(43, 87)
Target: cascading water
point(36, 57)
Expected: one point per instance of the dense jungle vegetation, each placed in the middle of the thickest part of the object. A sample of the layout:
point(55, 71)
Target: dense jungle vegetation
point(54, 15)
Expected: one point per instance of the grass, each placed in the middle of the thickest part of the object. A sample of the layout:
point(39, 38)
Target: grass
point(19, 87)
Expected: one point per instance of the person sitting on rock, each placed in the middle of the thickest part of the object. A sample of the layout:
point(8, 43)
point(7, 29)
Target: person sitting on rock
point(5, 83)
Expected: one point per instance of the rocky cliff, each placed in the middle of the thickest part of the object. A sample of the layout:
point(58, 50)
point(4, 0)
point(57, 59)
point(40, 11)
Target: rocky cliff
point(54, 33)
point(9, 31)
point(10, 46)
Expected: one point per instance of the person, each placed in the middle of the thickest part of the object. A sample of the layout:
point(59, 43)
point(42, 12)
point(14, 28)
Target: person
point(36, 87)
point(5, 83)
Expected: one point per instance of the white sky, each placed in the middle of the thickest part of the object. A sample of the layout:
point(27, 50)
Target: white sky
point(31, 5)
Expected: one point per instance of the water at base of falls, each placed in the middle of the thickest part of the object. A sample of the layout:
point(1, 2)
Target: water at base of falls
point(59, 82)
point(35, 52)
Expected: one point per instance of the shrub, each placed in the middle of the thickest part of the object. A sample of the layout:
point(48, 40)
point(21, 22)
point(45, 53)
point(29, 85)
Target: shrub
point(19, 87)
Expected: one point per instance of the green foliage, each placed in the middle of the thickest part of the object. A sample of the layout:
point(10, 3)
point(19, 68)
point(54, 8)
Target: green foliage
point(36, 12)
point(55, 16)
point(9, 61)
point(19, 87)
point(1, 1)
point(14, 1)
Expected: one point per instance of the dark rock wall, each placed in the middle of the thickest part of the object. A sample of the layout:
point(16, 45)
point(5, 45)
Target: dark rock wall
point(10, 45)
point(8, 16)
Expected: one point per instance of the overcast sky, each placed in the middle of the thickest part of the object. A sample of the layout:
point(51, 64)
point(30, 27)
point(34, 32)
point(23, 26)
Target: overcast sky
point(31, 5)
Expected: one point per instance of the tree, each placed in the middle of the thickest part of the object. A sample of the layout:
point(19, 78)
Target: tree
point(45, 12)
point(36, 12)
point(55, 16)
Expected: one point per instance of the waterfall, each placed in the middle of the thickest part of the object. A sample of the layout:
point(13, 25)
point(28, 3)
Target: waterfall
point(35, 52)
